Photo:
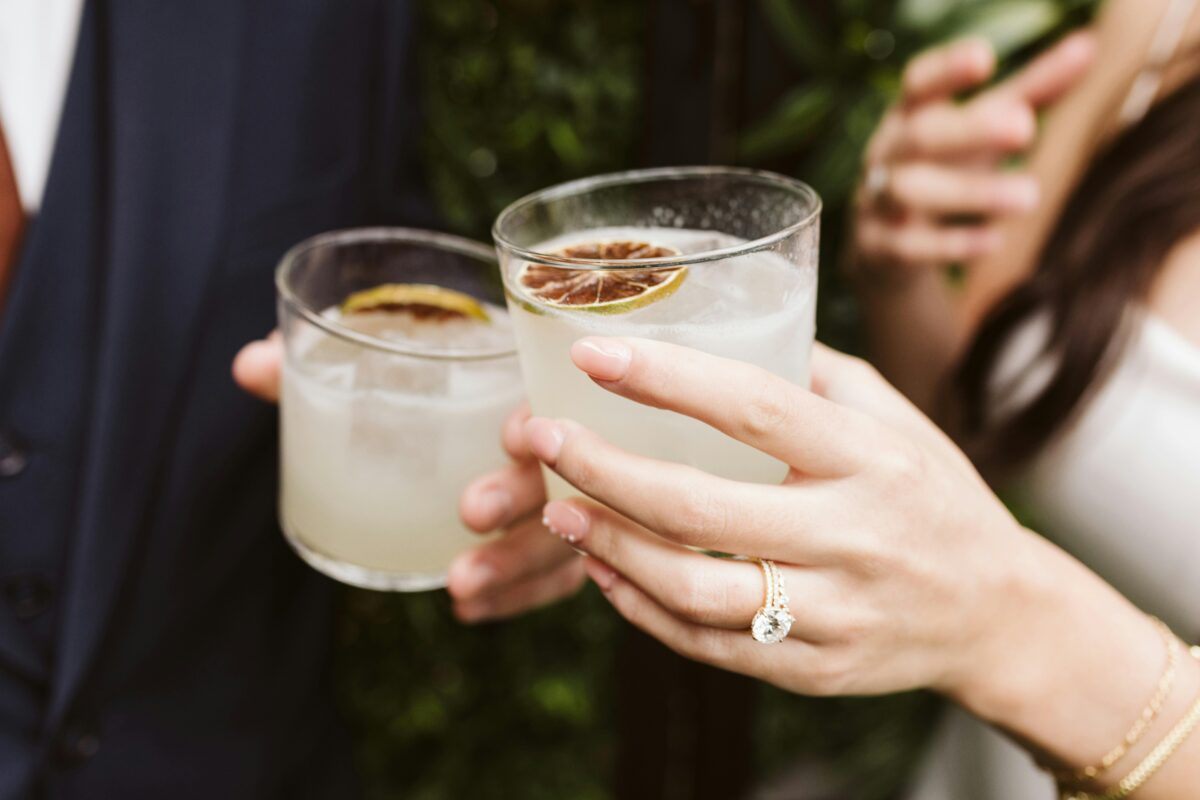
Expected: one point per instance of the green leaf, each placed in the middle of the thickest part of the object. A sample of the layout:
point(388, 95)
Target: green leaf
point(793, 122)
point(925, 14)
point(793, 23)
point(565, 142)
point(1009, 24)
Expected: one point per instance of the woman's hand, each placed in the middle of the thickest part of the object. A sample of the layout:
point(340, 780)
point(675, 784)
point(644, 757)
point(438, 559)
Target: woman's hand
point(902, 568)
point(521, 570)
point(886, 537)
point(934, 185)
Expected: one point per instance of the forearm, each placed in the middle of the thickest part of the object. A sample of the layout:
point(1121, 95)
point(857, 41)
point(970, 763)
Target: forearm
point(1074, 666)
point(914, 334)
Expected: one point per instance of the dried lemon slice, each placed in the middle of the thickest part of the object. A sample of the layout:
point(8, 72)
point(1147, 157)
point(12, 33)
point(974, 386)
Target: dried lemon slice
point(604, 291)
point(422, 300)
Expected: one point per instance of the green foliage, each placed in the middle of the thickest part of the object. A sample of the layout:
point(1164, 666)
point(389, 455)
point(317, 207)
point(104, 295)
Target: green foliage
point(520, 94)
point(524, 93)
point(869, 743)
point(517, 709)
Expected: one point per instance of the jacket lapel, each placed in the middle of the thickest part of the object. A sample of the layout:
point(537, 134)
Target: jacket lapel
point(169, 81)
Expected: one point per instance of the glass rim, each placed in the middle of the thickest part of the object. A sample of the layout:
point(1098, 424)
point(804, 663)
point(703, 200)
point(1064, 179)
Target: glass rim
point(383, 234)
point(583, 185)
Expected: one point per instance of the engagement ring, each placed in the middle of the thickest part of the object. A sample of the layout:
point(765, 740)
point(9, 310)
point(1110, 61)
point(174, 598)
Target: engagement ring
point(773, 621)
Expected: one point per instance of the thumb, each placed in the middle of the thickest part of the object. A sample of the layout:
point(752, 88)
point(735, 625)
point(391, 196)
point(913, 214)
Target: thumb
point(256, 367)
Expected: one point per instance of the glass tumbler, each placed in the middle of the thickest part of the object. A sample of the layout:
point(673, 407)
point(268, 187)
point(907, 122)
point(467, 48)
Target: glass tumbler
point(722, 260)
point(392, 400)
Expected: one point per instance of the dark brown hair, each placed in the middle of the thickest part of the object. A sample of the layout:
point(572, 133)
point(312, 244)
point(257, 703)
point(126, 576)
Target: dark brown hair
point(1139, 197)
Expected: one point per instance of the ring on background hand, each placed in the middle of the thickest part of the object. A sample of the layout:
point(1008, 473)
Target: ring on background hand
point(877, 183)
point(773, 621)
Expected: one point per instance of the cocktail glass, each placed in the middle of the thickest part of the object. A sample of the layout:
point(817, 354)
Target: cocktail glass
point(387, 413)
point(722, 260)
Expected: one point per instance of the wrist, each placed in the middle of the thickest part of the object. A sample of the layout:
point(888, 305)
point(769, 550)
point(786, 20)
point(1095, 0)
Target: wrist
point(872, 276)
point(1069, 664)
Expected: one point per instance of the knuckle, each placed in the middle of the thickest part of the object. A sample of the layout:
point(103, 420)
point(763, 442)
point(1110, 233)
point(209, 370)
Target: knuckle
point(770, 409)
point(859, 370)
point(906, 185)
point(706, 644)
point(911, 246)
point(697, 597)
point(1007, 124)
point(935, 131)
point(955, 245)
point(702, 518)
point(875, 560)
point(978, 191)
point(830, 673)
point(902, 465)
point(856, 626)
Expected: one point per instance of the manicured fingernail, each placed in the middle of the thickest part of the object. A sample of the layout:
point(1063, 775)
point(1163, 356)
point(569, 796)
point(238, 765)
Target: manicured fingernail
point(603, 575)
point(545, 439)
point(469, 577)
point(496, 505)
point(606, 359)
point(566, 521)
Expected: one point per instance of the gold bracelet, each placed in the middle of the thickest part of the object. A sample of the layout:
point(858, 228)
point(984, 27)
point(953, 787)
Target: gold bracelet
point(1153, 762)
point(1149, 714)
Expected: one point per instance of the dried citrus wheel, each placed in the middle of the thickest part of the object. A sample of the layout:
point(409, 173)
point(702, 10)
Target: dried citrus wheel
point(422, 300)
point(606, 291)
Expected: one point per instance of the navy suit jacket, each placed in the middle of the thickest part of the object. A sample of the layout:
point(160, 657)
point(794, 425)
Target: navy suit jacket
point(174, 647)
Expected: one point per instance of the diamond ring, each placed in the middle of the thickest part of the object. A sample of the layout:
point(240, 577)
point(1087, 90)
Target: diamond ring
point(773, 621)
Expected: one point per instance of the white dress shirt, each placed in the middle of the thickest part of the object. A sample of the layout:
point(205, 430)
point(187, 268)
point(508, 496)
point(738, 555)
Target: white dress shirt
point(37, 46)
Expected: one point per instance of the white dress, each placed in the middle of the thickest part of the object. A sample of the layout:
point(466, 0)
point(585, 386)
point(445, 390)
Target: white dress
point(1121, 491)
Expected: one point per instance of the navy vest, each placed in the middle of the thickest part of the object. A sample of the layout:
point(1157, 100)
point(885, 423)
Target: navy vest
point(157, 638)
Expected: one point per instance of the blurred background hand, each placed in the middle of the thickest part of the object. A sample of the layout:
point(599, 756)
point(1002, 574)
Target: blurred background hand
point(936, 177)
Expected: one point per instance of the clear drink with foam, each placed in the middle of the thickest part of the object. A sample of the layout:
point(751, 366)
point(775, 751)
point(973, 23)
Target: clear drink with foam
point(739, 252)
point(387, 413)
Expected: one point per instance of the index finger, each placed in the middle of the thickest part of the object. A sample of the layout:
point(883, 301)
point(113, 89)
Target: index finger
point(743, 401)
point(947, 70)
point(689, 506)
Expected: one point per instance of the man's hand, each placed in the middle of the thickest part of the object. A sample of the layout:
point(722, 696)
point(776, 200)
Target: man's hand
point(522, 569)
point(256, 367)
point(528, 566)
